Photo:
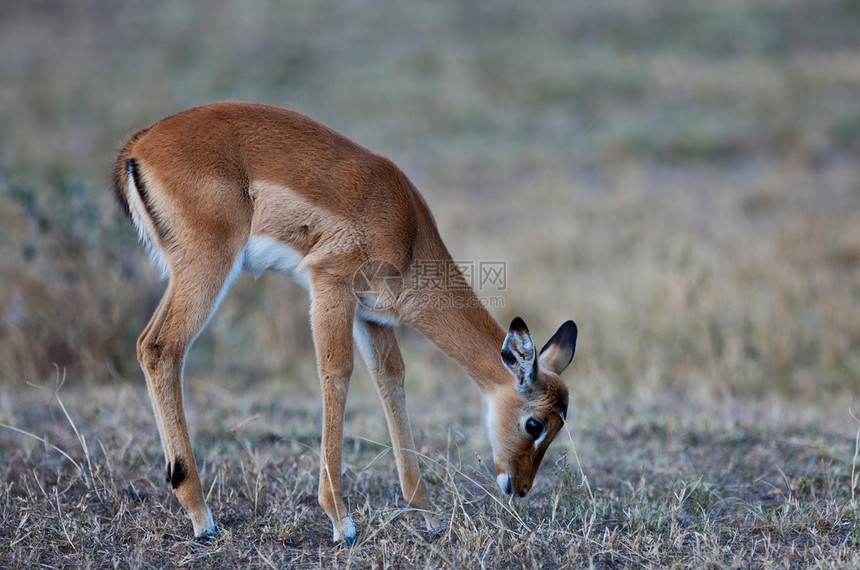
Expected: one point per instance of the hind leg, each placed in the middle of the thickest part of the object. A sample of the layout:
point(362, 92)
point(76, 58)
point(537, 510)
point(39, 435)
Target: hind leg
point(190, 299)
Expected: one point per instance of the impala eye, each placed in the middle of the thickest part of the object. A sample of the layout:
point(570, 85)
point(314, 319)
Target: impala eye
point(534, 428)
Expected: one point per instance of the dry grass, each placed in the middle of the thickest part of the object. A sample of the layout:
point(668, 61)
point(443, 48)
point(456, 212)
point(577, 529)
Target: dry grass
point(644, 486)
point(679, 178)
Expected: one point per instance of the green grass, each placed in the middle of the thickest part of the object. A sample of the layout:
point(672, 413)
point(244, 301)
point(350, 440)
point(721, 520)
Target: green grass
point(679, 178)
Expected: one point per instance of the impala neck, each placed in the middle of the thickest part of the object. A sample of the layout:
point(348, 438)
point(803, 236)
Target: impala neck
point(441, 305)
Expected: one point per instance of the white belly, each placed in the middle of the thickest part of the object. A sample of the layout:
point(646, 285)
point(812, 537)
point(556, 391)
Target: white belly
point(264, 253)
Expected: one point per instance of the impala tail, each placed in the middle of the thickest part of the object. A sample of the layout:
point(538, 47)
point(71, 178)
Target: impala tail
point(133, 195)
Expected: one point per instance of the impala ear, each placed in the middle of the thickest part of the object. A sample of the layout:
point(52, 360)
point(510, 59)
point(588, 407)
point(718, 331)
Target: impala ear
point(518, 353)
point(558, 351)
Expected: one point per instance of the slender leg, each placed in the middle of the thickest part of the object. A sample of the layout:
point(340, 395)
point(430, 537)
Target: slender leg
point(332, 312)
point(155, 324)
point(184, 310)
point(378, 347)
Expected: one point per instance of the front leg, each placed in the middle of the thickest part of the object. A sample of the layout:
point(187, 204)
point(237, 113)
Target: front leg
point(378, 347)
point(332, 312)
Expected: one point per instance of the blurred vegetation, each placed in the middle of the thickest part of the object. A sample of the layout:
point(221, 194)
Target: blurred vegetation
point(679, 177)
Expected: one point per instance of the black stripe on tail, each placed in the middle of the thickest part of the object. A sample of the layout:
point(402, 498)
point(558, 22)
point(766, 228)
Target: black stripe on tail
point(119, 178)
point(142, 191)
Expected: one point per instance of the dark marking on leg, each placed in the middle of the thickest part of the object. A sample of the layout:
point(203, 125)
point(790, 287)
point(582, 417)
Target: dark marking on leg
point(176, 473)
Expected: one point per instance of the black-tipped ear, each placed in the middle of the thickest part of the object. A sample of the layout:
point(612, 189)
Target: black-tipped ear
point(518, 353)
point(559, 350)
point(519, 325)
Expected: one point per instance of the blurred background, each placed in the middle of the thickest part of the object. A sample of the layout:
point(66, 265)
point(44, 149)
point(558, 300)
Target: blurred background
point(681, 178)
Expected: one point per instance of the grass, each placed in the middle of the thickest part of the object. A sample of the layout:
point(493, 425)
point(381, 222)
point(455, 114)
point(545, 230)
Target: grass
point(679, 178)
point(84, 488)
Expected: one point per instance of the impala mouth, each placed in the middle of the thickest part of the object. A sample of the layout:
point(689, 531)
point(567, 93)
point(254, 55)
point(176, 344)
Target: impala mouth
point(505, 483)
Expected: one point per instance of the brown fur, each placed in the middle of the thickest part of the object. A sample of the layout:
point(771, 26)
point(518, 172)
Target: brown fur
point(215, 176)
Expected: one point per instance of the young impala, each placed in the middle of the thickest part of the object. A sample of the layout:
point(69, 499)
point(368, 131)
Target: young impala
point(233, 187)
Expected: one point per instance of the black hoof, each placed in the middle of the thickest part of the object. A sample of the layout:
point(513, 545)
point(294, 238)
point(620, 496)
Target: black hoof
point(208, 537)
point(348, 540)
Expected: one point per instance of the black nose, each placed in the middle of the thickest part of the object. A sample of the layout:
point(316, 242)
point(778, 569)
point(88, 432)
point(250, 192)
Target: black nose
point(522, 493)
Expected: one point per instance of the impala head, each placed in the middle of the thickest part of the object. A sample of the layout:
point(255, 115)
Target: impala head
point(525, 416)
